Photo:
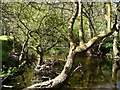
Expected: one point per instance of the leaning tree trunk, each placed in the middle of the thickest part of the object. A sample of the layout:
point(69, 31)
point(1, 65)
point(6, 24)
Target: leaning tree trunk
point(66, 72)
point(64, 75)
point(61, 78)
point(58, 81)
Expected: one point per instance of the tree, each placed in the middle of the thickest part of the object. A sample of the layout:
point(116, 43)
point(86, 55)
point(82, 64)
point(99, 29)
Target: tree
point(38, 29)
point(73, 49)
point(116, 54)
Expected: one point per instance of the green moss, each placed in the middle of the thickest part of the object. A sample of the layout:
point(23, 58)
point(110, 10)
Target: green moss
point(6, 38)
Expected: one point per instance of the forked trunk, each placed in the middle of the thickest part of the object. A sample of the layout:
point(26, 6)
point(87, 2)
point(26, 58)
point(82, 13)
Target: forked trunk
point(66, 72)
point(60, 79)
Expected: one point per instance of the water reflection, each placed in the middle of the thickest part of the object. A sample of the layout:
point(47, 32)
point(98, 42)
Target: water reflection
point(22, 81)
point(94, 74)
point(115, 68)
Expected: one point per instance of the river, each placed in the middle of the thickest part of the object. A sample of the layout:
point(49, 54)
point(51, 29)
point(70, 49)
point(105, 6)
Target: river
point(93, 74)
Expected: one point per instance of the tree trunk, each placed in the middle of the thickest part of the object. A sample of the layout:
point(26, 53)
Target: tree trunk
point(66, 72)
point(116, 57)
point(80, 16)
point(115, 45)
point(114, 74)
point(40, 58)
point(89, 30)
point(22, 51)
point(89, 52)
point(109, 16)
point(58, 81)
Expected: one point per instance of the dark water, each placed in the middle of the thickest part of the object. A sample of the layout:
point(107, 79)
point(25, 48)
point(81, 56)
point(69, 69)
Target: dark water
point(94, 73)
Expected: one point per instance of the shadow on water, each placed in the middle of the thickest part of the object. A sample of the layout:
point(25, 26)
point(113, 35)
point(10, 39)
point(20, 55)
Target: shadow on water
point(94, 74)
point(24, 80)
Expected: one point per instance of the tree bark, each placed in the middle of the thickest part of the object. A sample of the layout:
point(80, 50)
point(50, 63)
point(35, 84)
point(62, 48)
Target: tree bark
point(66, 72)
point(116, 60)
point(62, 77)
point(23, 50)
point(116, 56)
point(109, 16)
point(40, 60)
point(115, 45)
point(90, 34)
point(80, 17)
point(114, 74)
point(56, 82)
